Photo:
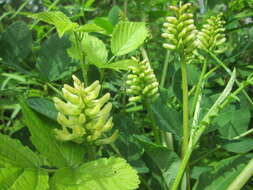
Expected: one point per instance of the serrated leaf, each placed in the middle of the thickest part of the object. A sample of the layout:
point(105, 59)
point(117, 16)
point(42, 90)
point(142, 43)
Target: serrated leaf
point(43, 106)
point(23, 179)
point(127, 36)
point(58, 19)
point(14, 153)
point(120, 65)
point(90, 27)
point(59, 154)
point(224, 173)
point(102, 174)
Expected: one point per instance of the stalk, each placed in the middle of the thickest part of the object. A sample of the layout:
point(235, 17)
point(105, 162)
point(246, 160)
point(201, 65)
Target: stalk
point(243, 177)
point(165, 69)
point(185, 109)
point(198, 89)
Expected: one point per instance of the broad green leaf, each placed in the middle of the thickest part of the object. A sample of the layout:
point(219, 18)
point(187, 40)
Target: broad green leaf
point(44, 106)
point(223, 174)
point(120, 65)
point(58, 19)
point(164, 159)
point(15, 44)
point(94, 49)
point(127, 36)
point(102, 174)
point(90, 27)
point(53, 61)
point(23, 179)
point(59, 154)
point(167, 119)
point(104, 23)
point(14, 153)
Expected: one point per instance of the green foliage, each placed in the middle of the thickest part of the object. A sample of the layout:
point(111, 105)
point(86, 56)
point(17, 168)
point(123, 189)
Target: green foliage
point(127, 36)
point(101, 174)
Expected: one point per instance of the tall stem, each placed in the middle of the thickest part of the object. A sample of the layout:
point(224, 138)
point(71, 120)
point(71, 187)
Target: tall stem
point(182, 168)
point(243, 177)
point(165, 69)
point(185, 109)
point(198, 89)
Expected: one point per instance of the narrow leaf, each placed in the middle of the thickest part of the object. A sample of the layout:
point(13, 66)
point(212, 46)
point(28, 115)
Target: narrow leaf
point(120, 65)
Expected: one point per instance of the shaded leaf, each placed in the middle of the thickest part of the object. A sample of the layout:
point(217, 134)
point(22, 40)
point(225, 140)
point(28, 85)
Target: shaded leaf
point(44, 106)
point(120, 65)
point(53, 61)
point(104, 23)
point(90, 27)
point(223, 174)
point(59, 154)
point(238, 146)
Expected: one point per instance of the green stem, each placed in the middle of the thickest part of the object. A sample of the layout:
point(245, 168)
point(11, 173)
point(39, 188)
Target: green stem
point(91, 152)
point(182, 168)
point(165, 69)
point(243, 177)
point(185, 109)
point(84, 67)
point(198, 89)
point(54, 89)
point(243, 134)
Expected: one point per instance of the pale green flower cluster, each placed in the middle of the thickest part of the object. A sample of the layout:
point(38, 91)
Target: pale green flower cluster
point(142, 82)
point(180, 32)
point(83, 117)
point(212, 37)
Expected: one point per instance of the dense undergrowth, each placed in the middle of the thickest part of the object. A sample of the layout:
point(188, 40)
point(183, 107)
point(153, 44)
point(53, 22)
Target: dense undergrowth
point(123, 95)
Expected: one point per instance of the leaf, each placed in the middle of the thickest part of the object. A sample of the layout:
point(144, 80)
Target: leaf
point(223, 174)
point(23, 179)
point(164, 159)
point(15, 44)
point(90, 27)
point(167, 119)
point(102, 174)
point(104, 23)
point(94, 49)
point(120, 65)
point(127, 36)
point(44, 106)
point(53, 61)
point(59, 154)
point(14, 153)
point(62, 23)
point(114, 14)
point(238, 146)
